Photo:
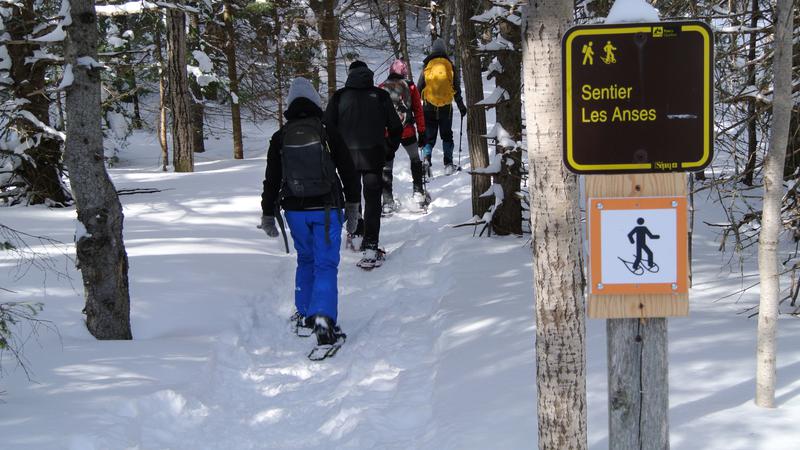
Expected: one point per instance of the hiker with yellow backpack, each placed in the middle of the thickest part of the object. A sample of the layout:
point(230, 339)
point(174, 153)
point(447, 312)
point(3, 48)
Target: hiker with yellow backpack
point(440, 85)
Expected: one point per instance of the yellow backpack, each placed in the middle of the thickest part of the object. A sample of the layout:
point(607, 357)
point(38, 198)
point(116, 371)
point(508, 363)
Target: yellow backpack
point(438, 89)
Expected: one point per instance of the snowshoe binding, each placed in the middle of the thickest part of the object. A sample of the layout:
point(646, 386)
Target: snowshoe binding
point(449, 169)
point(329, 338)
point(422, 200)
point(301, 326)
point(371, 259)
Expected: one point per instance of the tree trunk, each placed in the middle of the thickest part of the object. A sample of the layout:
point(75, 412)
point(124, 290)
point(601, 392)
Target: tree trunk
point(230, 55)
point(179, 96)
point(329, 32)
point(37, 178)
point(402, 30)
point(198, 109)
point(433, 21)
point(162, 99)
point(100, 251)
point(473, 93)
point(752, 137)
point(508, 217)
point(771, 225)
point(555, 226)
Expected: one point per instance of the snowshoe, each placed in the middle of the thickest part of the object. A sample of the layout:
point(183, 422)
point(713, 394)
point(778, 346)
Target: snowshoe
point(389, 207)
point(329, 338)
point(301, 326)
point(371, 259)
point(449, 169)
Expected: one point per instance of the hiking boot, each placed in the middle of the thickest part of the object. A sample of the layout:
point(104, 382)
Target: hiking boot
point(388, 206)
point(326, 330)
point(426, 167)
point(419, 199)
point(449, 169)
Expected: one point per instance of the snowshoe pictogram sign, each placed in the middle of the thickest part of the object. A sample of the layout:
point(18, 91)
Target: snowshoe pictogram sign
point(638, 245)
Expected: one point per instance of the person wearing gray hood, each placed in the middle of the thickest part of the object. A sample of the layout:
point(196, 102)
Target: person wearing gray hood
point(369, 124)
point(439, 85)
point(311, 176)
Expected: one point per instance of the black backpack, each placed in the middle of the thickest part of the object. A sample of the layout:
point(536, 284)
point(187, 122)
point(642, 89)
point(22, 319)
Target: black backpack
point(307, 166)
point(400, 94)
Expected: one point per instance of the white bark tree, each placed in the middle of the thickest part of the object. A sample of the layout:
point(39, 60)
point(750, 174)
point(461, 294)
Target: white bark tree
point(555, 226)
point(771, 223)
point(100, 250)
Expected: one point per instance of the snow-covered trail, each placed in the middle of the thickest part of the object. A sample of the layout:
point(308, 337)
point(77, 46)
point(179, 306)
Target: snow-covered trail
point(403, 379)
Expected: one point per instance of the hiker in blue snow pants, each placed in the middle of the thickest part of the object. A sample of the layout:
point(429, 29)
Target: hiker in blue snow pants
point(316, 291)
point(313, 179)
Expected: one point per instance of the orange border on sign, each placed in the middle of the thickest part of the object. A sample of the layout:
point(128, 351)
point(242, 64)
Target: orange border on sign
point(633, 203)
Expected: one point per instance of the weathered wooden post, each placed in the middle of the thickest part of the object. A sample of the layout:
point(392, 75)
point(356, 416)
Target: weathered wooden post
point(637, 114)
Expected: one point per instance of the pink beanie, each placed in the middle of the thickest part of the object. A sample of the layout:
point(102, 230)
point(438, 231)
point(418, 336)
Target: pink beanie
point(399, 67)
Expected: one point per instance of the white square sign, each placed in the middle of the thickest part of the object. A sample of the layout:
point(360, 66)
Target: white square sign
point(638, 245)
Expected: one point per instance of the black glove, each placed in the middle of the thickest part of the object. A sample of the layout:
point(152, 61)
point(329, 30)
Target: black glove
point(421, 141)
point(351, 217)
point(268, 225)
point(462, 109)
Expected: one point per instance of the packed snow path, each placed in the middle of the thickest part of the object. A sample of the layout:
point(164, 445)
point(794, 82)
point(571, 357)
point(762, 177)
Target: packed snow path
point(437, 337)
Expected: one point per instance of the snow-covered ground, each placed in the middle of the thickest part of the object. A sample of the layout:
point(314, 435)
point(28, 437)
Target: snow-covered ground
point(440, 340)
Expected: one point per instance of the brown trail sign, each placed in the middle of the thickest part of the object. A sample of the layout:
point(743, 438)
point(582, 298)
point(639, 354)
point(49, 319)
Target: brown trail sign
point(637, 97)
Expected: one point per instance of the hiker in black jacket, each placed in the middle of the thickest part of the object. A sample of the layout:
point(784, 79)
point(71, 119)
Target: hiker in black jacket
point(315, 220)
point(364, 113)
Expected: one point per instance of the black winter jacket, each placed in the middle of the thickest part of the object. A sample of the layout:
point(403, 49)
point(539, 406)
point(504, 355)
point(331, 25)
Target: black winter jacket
point(302, 107)
point(363, 113)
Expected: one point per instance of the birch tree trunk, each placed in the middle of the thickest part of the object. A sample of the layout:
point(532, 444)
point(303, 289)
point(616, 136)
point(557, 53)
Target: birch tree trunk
point(771, 225)
point(555, 226)
point(162, 99)
point(100, 251)
point(233, 77)
point(473, 92)
point(180, 98)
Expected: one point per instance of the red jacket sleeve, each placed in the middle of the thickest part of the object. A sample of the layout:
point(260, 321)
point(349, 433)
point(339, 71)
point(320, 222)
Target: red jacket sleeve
point(416, 105)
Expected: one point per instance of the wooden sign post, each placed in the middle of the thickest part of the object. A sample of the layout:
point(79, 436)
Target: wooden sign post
point(637, 113)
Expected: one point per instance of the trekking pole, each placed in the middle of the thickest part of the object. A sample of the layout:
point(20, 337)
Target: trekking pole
point(279, 218)
point(460, 143)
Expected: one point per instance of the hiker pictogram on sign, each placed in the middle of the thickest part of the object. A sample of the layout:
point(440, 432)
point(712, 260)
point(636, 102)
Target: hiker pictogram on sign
point(588, 53)
point(638, 236)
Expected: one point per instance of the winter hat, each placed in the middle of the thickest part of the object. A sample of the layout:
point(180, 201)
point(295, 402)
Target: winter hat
point(399, 67)
point(302, 88)
point(438, 46)
point(356, 64)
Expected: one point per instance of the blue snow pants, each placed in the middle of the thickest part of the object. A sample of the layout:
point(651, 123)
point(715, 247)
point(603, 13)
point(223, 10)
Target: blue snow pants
point(316, 278)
